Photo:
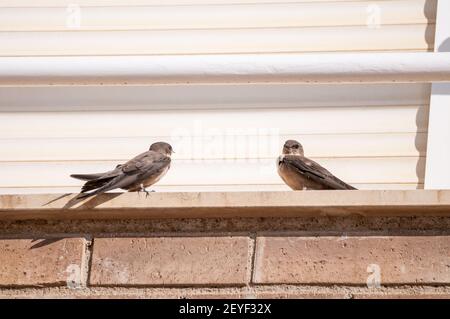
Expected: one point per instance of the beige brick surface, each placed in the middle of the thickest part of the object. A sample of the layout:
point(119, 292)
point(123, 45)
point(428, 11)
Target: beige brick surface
point(353, 260)
point(401, 296)
point(170, 261)
point(300, 295)
point(53, 263)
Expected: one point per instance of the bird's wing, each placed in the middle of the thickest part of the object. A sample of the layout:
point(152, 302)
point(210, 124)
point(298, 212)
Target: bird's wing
point(315, 172)
point(132, 172)
point(88, 177)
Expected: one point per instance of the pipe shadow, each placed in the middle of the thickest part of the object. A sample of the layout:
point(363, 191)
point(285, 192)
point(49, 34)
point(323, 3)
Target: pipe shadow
point(445, 46)
point(420, 142)
point(430, 12)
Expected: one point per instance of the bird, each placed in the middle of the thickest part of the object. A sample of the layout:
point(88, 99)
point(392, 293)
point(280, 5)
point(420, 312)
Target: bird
point(301, 173)
point(135, 175)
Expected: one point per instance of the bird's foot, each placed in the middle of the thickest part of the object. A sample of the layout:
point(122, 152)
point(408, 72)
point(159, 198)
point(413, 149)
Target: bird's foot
point(143, 189)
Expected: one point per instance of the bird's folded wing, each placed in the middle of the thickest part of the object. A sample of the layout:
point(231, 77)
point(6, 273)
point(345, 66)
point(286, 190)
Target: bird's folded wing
point(143, 163)
point(315, 171)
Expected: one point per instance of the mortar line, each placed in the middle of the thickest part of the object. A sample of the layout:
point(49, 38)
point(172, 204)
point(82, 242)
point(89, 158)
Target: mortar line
point(345, 290)
point(252, 262)
point(87, 260)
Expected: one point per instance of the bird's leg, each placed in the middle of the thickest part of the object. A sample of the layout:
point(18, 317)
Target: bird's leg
point(144, 190)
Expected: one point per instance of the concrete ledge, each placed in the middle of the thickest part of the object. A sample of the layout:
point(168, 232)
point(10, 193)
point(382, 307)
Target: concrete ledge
point(227, 204)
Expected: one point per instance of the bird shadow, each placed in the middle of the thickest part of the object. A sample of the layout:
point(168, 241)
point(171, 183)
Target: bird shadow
point(89, 204)
point(92, 202)
point(57, 198)
point(44, 242)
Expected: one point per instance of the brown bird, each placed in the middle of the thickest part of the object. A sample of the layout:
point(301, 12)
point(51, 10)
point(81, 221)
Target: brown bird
point(299, 172)
point(135, 175)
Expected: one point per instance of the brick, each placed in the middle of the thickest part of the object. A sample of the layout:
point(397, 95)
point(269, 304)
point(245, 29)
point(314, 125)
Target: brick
point(23, 262)
point(170, 261)
point(351, 260)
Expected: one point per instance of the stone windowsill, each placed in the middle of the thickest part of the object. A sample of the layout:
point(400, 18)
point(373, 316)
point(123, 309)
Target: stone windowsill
point(227, 204)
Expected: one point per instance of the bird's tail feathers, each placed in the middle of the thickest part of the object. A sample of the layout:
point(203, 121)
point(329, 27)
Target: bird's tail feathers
point(98, 188)
point(96, 183)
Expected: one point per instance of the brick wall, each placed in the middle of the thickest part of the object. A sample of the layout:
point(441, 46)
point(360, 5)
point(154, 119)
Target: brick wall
point(238, 257)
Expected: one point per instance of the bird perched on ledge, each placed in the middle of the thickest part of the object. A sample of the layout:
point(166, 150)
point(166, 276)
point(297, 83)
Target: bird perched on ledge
point(135, 175)
point(299, 172)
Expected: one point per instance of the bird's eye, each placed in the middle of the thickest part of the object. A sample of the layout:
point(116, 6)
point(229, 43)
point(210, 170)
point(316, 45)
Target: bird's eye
point(295, 146)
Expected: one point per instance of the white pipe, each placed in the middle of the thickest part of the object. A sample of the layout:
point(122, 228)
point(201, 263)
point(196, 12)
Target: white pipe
point(437, 173)
point(244, 68)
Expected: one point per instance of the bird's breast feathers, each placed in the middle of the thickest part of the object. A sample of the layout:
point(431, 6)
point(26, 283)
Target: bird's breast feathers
point(156, 177)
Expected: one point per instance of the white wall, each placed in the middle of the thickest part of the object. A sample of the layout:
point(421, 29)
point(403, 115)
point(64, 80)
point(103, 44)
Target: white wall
point(226, 136)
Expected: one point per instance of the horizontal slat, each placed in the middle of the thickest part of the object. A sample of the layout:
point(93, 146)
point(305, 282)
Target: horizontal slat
point(398, 37)
point(214, 147)
point(212, 172)
point(216, 16)
point(394, 119)
point(197, 96)
point(200, 188)
point(89, 3)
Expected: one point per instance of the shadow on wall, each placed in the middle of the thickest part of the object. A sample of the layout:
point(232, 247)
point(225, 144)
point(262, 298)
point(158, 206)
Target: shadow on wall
point(430, 11)
point(422, 115)
point(40, 242)
point(445, 46)
point(89, 204)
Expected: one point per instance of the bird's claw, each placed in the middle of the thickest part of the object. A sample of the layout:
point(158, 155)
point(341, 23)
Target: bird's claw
point(148, 192)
